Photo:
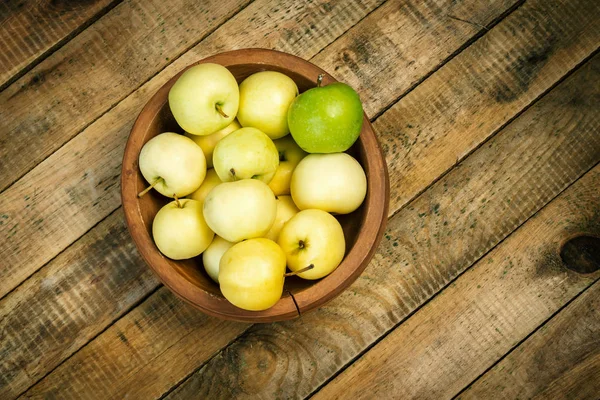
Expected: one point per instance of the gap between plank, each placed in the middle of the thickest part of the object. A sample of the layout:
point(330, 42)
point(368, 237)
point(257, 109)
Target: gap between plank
point(126, 311)
point(463, 47)
point(382, 337)
point(544, 323)
point(481, 33)
point(495, 132)
point(134, 89)
point(101, 13)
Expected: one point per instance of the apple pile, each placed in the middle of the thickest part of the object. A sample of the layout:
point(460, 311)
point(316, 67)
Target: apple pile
point(249, 198)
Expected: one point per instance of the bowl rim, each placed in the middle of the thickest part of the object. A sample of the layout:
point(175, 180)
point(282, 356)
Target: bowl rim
point(355, 261)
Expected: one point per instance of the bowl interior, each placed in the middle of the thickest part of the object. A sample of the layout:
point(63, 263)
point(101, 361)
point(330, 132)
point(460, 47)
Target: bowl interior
point(187, 279)
point(192, 270)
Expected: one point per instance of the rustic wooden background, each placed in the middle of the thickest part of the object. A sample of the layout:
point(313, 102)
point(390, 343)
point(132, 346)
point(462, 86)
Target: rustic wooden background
point(489, 115)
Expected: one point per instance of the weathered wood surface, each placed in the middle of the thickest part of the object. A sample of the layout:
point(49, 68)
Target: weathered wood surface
point(427, 244)
point(486, 312)
point(85, 288)
point(30, 30)
point(417, 38)
point(88, 167)
point(43, 353)
point(559, 361)
point(388, 50)
point(86, 77)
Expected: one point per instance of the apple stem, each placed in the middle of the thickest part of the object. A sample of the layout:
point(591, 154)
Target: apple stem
point(220, 110)
point(143, 192)
point(311, 266)
point(177, 203)
point(232, 173)
point(320, 80)
point(301, 244)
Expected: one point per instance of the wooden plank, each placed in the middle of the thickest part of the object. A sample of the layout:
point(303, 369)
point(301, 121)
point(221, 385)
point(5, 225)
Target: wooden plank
point(394, 47)
point(91, 73)
point(112, 140)
point(559, 361)
point(135, 359)
point(34, 206)
point(467, 101)
point(90, 209)
point(426, 245)
point(37, 355)
point(90, 285)
point(30, 31)
point(486, 312)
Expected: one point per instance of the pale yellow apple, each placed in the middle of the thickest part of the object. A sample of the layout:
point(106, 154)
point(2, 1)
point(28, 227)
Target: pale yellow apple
point(251, 274)
point(180, 231)
point(240, 210)
point(210, 181)
point(204, 99)
point(290, 155)
point(286, 209)
point(173, 163)
point(212, 256)
point(264, 101)
point(246, 154)
point(313, 237)
point(207, 143)
point(333, 182)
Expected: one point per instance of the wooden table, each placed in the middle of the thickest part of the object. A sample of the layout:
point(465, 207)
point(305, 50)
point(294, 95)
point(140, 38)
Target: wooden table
point(485, 284)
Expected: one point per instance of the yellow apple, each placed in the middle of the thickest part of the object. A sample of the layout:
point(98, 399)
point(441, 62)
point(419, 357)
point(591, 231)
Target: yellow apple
point(333, 182)
point(246, 154)
point(290, 155)
point(173, 164)
point(212, 256)
point(286, 209)
point(264, 101)
point(240, 210)
point(210, 181)
point(251, 274)
point(207, 143)
point(313, 237)
point(180, 231)
point(204, 99)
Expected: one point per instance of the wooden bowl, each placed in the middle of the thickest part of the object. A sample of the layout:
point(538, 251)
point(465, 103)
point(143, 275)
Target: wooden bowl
point(187, 279)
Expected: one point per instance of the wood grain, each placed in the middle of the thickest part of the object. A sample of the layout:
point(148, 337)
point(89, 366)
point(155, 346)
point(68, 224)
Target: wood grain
point(484, 313)
point(427, 244)
point(136, 357)
point(467, 100)
point(29, 31)
point(112, 139)
point(393, 46)
point(82, 80)
point(88, 286)
point(87, 169)
point(97, 189)
point(559, 361)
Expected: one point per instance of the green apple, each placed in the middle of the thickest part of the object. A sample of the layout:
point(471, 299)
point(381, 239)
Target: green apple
point(207, 143)
point(330, 182)
point(286, 209)
point(326, 119)
point(313, 237)
point(204, 99)
point(264, 101)
point(180, 231)
point(210, 181)
point(173, 164)
point(251, 274)
point(240, 210)
point(290, 155)
point(212, 256)
point(246, 154)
